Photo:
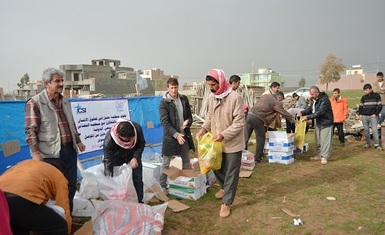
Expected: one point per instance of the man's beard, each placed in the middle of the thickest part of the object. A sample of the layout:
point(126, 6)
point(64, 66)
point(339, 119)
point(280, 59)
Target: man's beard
point(213, 91)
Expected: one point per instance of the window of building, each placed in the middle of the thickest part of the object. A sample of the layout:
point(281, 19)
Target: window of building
point(76, 77)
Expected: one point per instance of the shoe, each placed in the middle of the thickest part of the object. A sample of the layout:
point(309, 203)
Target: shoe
point(225, 211)
point(367, 146)
point(378, 147)
point(324, 161)
point(342, 144)
point(316, 157)
point(258, 160)
point(220, 194)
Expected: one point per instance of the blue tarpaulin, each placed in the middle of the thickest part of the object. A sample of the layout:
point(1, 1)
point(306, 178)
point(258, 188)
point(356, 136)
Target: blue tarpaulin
point(143, 110)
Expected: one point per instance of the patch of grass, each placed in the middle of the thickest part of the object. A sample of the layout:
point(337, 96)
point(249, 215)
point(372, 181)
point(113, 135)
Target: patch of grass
point(354, 176)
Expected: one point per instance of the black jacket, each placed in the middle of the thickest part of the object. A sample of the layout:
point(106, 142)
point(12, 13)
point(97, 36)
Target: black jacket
point(323, 111)
point(169, 119)
point(370, 104)
point(114, 155)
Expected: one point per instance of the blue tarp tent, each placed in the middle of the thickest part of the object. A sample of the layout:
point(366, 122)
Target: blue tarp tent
point(143, 110)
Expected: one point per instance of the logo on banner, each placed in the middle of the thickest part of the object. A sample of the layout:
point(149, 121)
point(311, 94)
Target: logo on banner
point(80, 109)
point(119, 105)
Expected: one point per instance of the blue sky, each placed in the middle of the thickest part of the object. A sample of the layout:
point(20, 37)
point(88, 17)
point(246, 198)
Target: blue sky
point(189, 38)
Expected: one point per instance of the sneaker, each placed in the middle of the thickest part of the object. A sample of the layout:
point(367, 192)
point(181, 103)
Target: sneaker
point(225, 211)
point(220, 194)
point(367, 146)
point(259, 160)
point(316, 157)
point(342, 144)
point(378, 147)
point(324, 161)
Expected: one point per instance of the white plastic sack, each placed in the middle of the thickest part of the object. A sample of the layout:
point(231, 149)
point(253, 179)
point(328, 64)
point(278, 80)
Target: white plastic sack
point(125, 218)
point(89, 184)
point(120, 187)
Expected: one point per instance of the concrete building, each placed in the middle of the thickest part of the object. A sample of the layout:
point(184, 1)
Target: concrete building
point(157, 78)
point(354, 79)
point(264, 77)
point(103, 76)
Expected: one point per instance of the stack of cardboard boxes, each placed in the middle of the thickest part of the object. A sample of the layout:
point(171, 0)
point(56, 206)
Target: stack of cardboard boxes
point(280, 146)
point(186, 184)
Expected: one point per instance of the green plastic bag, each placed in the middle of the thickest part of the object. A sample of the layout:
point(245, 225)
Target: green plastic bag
point(209, 153)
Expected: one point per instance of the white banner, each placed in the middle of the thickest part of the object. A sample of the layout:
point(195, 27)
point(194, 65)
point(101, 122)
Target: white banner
point(93, 118)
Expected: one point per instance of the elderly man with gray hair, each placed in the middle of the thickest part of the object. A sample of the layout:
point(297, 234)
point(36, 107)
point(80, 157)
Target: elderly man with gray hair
point(320, 110)
point(50, 128)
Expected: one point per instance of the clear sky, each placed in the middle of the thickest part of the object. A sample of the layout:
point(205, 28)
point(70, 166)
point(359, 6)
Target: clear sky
point(189, 38)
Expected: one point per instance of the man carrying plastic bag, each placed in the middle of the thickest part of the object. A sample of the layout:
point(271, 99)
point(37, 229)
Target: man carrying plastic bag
point(225, 119)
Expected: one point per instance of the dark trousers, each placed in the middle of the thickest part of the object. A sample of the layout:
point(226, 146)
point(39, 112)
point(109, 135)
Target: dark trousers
point(340, 130)
point(290, 128)
point(27, 216)
point(68, 159)
point(228, 175)
point(256, 124)
point(137, 175)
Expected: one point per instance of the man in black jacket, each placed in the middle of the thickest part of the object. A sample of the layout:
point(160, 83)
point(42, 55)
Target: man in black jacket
point(320, 110)
point(125, 143)
point(176, 118)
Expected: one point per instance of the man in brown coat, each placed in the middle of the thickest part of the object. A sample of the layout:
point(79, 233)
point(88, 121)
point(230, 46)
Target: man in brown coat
point(260, 117)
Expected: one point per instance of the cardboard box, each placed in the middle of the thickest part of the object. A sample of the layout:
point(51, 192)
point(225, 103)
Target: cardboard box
point(151, 169)
point(86, 229)
point(281, 157)
point(210, 178)
point(187, 193)
point(185, 178)
point(281, 141)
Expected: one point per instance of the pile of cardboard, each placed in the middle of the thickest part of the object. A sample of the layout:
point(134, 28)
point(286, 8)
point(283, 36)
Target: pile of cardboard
point(281, 146)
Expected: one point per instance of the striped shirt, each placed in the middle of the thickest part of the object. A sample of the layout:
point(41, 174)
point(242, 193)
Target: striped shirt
point(370, 104)
point(33, 121)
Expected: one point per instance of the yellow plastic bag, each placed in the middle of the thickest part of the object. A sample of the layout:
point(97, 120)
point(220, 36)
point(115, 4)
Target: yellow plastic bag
point(209, 153)
point(299, 137)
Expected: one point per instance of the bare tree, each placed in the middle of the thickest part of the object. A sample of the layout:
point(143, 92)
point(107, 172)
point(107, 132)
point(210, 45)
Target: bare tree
point(330, 70)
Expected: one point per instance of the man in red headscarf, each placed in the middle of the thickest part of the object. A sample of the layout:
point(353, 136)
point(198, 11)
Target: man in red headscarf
point(225, 119)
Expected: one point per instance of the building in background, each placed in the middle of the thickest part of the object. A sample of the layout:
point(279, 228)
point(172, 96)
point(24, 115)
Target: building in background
point(101, 78)
point(264, 77)
point(157, 78)
point(353, 79)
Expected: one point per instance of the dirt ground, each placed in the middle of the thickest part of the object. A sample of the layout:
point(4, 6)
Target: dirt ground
point(275, 194)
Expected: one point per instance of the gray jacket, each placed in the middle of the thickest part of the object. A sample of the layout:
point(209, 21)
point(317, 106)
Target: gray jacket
point(49, 134)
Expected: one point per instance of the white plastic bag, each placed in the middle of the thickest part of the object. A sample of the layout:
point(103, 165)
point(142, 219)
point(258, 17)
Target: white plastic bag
point(120, 187)
point(125, 218)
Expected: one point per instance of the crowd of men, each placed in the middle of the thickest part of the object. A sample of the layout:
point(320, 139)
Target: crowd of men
point(54, 142)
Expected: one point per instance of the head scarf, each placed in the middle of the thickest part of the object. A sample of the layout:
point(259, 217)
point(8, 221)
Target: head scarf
point(224, 86)
point(115, 136)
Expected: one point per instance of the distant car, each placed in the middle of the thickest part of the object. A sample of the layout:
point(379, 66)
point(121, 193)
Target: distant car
point(302, 91)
